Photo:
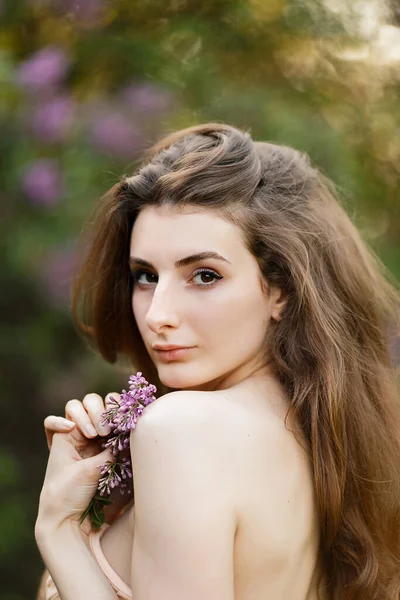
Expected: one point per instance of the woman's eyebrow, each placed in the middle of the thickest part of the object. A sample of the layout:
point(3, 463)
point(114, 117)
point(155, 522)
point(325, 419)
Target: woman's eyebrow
point(183, 262)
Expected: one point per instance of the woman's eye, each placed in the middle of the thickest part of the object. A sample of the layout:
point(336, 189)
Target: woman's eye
point(207, 278)
point(138, 274)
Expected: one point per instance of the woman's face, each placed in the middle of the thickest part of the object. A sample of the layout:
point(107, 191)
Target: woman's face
point(214, 306)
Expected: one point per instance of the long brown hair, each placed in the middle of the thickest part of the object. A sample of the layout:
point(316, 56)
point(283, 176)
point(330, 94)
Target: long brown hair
point(330, 349)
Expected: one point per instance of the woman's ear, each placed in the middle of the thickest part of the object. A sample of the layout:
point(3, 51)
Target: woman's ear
point(278, 302)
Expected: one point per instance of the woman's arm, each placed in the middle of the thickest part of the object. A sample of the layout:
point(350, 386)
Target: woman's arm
point(70, 483)
point(186, 493)
point(79, 414)
point(73, 568)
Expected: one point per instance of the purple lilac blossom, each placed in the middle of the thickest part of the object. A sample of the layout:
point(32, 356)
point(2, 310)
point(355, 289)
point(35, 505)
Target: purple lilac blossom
point(122, 417)
point(113, 475)
point(42, 182)
point(147, 97)
point(113, 132)
point(45, 68)
point(52, 120)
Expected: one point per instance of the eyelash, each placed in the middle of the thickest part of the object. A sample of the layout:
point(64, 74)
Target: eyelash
point(136, 275)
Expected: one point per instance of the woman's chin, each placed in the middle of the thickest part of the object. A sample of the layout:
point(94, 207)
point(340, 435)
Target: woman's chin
point(180, 382)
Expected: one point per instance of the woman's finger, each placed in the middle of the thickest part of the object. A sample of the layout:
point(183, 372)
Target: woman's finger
point(53, 424)
point(87, 416)
point(76, 411)
point(95, 408)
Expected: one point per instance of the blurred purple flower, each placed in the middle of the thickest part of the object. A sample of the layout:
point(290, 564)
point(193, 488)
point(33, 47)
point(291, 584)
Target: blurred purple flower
point(148, 97)
point(42, 182)
point(113, 132)
point(52, 119)
point(45, 68)
point(56, 273)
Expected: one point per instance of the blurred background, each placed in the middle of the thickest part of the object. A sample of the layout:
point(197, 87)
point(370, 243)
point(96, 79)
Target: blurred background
point(86, 85)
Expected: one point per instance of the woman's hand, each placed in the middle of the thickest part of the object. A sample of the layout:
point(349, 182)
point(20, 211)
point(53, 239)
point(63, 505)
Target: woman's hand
point(71, 478)
point(85, 415)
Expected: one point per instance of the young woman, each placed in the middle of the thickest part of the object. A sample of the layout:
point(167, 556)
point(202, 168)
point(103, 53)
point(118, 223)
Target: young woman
point(269, 465)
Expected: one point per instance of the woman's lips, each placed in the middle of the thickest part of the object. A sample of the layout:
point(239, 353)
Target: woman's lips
point(167, 355)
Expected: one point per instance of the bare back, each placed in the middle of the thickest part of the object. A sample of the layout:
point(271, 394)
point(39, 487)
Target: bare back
point(277, 536)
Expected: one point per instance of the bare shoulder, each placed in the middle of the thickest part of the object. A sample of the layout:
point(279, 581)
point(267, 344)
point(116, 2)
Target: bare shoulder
point(228, 425)
point(186, 404)
point(189, 417)
point(241, 452)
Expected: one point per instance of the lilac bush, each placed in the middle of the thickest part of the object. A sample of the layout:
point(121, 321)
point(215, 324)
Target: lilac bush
point(42, 182)
point(46, 68)
point(52, 119)
point(147, 97)
point(121, 417)
point(112, 131)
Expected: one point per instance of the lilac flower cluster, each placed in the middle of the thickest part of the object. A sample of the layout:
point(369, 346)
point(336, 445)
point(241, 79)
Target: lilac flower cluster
point(121, 417)
point(113, 475)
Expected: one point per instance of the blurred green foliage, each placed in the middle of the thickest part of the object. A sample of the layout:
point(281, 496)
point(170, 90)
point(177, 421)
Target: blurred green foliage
point(85, 86)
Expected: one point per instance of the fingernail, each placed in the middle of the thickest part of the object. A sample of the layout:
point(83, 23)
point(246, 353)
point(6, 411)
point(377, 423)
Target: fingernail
point(104, 429)
point(65, 427)
point(67, 424)
point(90, 430)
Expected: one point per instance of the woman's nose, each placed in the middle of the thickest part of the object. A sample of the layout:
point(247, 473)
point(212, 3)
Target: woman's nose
point(163, 310)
